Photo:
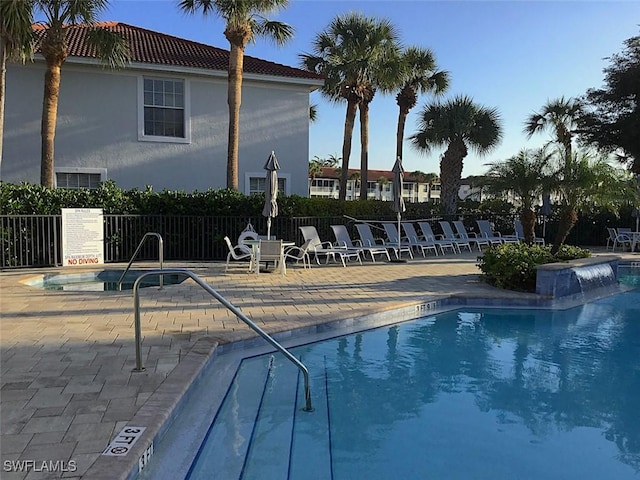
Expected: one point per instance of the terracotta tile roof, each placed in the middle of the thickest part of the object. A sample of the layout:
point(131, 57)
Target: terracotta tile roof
point(147, 46)
point(373, 175)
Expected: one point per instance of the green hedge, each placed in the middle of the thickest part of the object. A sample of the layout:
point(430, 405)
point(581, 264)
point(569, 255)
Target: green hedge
point(513, 265)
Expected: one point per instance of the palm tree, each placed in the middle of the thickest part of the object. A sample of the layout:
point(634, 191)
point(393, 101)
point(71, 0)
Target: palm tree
point(417, 73)
point(16, 41)
point(356, 177)
point(458, 124)
point(584, 180)
point(527, 175)
point(315, 169)
point(348, 53)
point(561, 117)
point(244, 22)
point(110, 47)
point(382, 181)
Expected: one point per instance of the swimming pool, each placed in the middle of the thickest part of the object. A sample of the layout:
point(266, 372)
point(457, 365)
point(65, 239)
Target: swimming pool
point(468, 393)
point(105, 280)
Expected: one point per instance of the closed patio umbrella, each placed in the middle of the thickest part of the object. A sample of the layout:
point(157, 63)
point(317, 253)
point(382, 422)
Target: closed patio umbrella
point(398, 202)
point(271, 191)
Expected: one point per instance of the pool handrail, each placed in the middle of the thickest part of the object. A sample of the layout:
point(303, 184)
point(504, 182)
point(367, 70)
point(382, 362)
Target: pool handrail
point(133, 257)
point(188, 273)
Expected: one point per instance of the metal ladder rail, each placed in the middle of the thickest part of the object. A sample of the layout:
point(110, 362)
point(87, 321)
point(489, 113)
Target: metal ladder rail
point(133, 257)
point(180, 271)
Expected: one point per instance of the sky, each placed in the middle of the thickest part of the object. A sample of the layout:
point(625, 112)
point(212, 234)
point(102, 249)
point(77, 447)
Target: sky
point(514, 56)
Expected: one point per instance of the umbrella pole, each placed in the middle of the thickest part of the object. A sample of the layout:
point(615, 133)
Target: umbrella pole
point(268, 228)
point(398, 259)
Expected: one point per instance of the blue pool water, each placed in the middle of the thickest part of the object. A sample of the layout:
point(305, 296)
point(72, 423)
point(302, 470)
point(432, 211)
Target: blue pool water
point(105, 280)
point(464, 394)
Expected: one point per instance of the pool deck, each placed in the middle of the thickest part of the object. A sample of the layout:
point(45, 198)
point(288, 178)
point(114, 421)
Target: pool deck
point(67, 386)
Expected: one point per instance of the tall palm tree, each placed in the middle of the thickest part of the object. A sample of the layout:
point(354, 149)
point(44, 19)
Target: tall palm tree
point(110, 47)
point(315, 169)
point(417, 73)
point(527, 175)
point(560, 116)
point(382, 181)
point(458, 124)
point(348, 53)
point(16, 41)
point(584, 180)
point(244, 22)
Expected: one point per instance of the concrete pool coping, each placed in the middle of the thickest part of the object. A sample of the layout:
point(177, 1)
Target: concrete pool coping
point(67, 387)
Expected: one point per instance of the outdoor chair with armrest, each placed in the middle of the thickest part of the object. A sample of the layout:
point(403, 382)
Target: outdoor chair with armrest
point(271, 251)
point(470, 237)
point(343, 240)
point(448, 234)
point(418, 241)
point(427, 231)
point(517, 225)
point(298, 254)
point(494, 237)
point(237, 253)
point(392, 234)
point(319, 248)
point(618, 238)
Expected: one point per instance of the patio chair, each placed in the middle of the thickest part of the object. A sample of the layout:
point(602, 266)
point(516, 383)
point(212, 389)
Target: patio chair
point(470, 237)
point(271, 251)
point(298, 254)
point(427, 231)
point(368, 240)
point(616, 238)
point(448, 234)
point(403, 245)
point(237, 253)
point(494, 237)
point(418, 241)
point(326, 249)
point(517, 225)
point(343, 240)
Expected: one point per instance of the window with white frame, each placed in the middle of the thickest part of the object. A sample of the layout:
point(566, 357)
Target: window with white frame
point(78, 178)
point(258, 185)
point(164, 110)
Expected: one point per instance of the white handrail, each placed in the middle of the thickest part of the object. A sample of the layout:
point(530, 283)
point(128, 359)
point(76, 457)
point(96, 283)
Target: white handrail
point(229, 306)
point(133, 257)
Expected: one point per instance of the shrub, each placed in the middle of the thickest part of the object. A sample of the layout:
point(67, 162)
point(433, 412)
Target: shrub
point(513, 265)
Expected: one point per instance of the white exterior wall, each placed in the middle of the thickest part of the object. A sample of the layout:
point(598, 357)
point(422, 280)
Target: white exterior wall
point(98, 128)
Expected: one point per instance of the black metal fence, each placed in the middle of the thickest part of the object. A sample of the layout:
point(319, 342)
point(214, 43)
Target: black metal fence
point(36, 240)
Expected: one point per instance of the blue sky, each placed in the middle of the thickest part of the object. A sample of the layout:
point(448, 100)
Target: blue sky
point(511, 55)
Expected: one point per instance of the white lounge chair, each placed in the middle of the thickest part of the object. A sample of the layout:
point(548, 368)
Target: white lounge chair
point(494, 237)
point(319, 248)
point(343, 240)
point(399, 246)
point(418, 241)
point(427, 231)
point(237, 253)
point(448, 234)
point(517, 225)
point(470, 237)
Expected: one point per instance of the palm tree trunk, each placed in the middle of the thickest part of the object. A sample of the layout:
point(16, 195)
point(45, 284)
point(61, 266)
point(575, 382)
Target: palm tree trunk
point(450, 175)
point(349, 122)
point(364, 150)
point(568, 218)
point(234, 98)
point(402, 120)
point(528, 220)
point(3, 76)
point(49, 118)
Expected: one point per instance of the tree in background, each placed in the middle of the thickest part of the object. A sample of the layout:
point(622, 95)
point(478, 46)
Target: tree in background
point(612, 113)
point(382, 182)
point(110, 48)
point(16, 43)
point(458, 124)
point(528, 176)
point(244, 21)
point(417, 73)
point(348, 54)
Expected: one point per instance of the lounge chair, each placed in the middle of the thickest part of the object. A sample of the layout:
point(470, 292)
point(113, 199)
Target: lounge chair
point(427, 231)
point(494, 237)
point(418, 241)
point(319, 248)
point(343, 240)
point(403, 245)
point(517, 225)
point(470, 237)
point(448, 234)
point(237, 253)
